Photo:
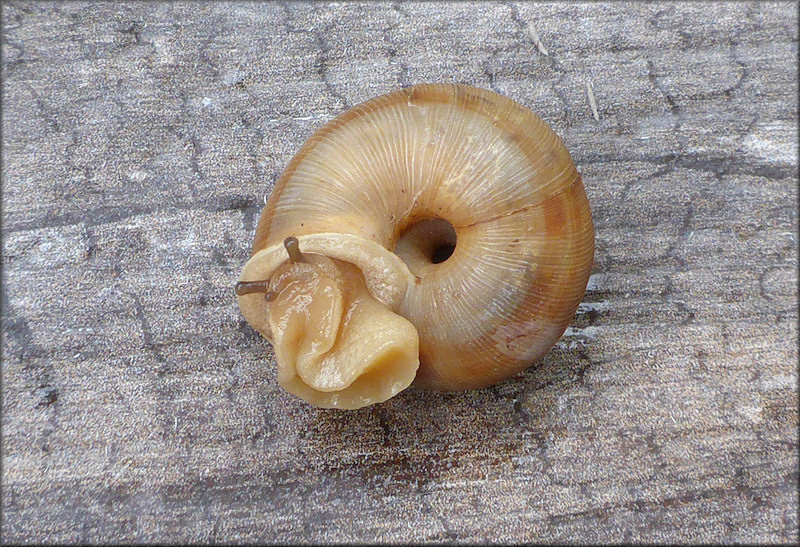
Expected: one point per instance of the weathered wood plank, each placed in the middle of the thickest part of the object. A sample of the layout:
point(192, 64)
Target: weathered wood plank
point(139, 141)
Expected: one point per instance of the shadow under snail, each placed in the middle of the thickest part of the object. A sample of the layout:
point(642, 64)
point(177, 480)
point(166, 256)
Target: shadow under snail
point(439, 235)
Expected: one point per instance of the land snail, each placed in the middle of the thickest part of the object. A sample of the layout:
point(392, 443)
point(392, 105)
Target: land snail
point(438, 235)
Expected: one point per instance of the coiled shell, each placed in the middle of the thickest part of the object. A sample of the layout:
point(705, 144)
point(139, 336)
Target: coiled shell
point(392, 170)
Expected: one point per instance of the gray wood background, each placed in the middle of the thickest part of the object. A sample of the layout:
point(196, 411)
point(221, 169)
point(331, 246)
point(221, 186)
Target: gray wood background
point(139, 142)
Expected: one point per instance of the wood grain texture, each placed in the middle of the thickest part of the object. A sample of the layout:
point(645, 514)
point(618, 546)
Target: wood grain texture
point(139, 141)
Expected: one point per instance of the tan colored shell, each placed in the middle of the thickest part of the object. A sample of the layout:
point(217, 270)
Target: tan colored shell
point(480, 161)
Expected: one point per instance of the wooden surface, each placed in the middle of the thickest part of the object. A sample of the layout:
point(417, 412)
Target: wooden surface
point(139, 142)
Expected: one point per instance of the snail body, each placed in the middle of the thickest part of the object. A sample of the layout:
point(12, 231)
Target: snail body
point(448, 241)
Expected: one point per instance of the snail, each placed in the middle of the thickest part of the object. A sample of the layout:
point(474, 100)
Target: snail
point(438, 235)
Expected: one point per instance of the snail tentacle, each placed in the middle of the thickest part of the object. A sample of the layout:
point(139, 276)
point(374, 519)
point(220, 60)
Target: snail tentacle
point(254, 287)
point(243, 288)
point(251, 287)
point(293, 248)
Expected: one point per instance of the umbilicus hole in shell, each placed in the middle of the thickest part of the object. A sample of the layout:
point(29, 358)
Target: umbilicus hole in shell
point(426, 242)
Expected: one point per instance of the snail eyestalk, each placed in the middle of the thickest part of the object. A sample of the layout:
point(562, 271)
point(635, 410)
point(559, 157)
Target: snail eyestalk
point(252, 287)
point(293, 248)
point(243, 288)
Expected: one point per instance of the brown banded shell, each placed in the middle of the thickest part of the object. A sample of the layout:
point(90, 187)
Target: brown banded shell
point(465, 216)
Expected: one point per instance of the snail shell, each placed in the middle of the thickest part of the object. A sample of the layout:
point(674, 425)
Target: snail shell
point(456, 212)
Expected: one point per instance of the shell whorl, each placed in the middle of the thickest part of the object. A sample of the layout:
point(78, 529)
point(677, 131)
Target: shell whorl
point(493, 170)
